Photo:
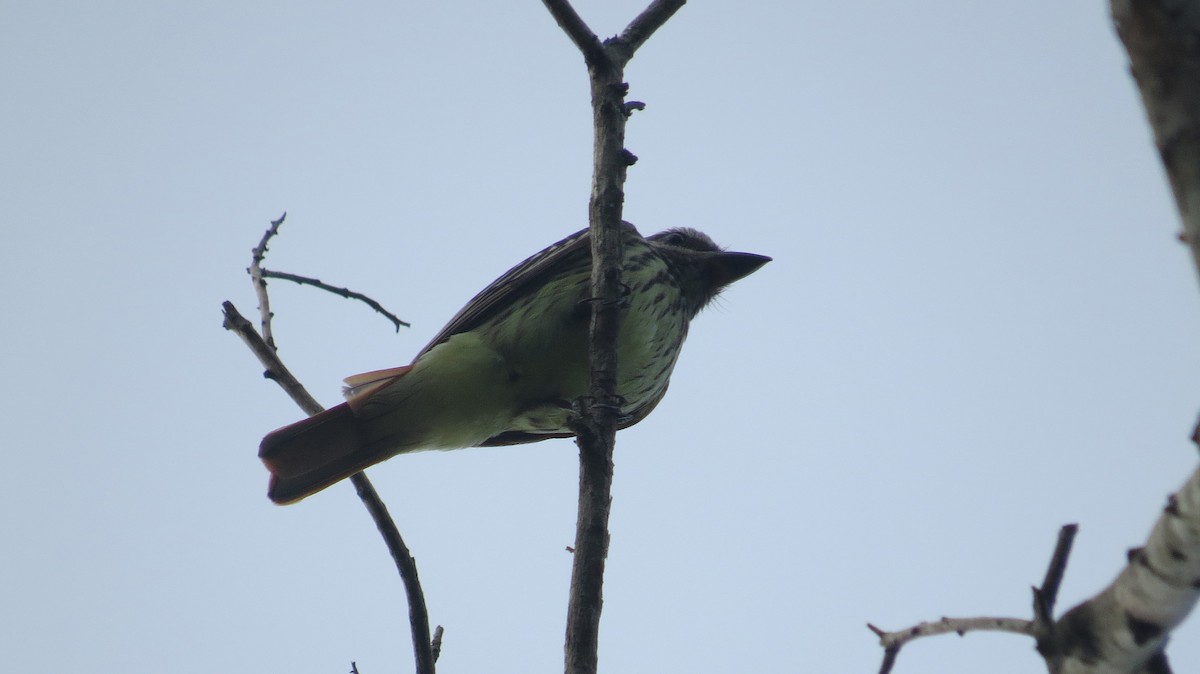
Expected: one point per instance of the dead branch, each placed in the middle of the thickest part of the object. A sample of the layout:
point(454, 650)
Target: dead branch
point(1044, 599)
point(260, 286)
point(1125, 627)
point(259, 275)
point(1046, 596)
point(436, 645)
point(343, 292)
point(275, 369)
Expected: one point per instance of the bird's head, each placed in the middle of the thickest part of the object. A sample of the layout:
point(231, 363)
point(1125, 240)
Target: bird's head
point(702, 267)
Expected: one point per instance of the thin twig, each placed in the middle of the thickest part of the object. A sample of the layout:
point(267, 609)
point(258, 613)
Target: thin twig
point(959, 626)
point(344, 292)
point(256, 277)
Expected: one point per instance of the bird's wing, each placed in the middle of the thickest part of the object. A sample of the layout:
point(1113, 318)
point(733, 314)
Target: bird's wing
point(498, 295)
point(493, 299)
point(530, 273)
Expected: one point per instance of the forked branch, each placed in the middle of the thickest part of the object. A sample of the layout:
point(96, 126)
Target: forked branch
point(423, 646)
point(595, 423)
point(1044, 599)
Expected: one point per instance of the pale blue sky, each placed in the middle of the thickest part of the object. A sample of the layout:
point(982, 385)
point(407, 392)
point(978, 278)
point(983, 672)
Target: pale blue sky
point(978, 327)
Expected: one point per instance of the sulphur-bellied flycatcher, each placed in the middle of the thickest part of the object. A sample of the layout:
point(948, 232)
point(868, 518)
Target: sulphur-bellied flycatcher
point(507, 367)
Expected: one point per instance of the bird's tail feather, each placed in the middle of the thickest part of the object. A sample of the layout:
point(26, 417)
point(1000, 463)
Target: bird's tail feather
point(309, 455)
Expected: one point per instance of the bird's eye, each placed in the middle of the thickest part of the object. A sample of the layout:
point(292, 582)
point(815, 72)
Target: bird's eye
point(674, 239)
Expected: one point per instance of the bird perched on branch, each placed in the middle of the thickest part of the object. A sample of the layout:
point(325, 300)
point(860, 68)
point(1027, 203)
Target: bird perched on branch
point(509, 365)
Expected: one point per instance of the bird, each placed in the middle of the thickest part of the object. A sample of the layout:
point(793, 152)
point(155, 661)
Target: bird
point(507, 367)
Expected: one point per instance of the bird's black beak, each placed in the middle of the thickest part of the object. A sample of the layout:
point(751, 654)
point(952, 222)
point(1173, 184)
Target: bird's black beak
point(724, 267)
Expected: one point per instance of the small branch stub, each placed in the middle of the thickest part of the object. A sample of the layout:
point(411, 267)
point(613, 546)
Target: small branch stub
point(436, 645)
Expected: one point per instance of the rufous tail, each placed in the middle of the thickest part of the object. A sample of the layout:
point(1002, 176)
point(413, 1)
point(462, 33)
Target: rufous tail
point(312, 454)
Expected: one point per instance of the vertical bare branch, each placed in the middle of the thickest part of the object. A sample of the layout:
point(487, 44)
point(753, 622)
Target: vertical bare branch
point(595, 425)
